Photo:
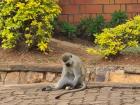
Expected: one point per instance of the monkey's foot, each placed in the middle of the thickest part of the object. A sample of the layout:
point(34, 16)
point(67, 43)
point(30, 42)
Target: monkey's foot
point(68, 88)
point(48, 88)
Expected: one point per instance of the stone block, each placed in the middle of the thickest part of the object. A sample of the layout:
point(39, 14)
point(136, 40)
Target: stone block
point(23, 77)
point(2, 76)
point(50, 77)
point(122, 77)
point(34, 77)
point(12, 78)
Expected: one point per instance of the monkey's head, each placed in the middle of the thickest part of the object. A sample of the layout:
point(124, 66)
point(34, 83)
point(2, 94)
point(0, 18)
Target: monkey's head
point(67, 59)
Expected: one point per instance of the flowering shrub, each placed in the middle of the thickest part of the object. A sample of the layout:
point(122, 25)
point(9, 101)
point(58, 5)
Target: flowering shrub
point(113, 40)
point(28, 21)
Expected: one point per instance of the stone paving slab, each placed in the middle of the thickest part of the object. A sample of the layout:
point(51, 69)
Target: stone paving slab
point(99, 94)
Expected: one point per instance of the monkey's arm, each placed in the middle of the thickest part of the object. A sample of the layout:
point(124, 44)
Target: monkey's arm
point(76, 81)
point(77, 77)
point(60, 84)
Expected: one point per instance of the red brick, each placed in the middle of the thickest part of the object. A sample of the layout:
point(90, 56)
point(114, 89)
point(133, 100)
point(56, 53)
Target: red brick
point(133, 8)
point(123, 7)
point(131, 15)
point(101, 1)
point(138, 1)
point(111, 8)
point(70, 19)
point(82, 2)
point(79, 17)
point(112, 1)
point(90, 8)
point(107, 17)
point(90, 1)
point(94, 15)
point(64, 2)
point(63, 18)
point(125, 1)
point(70, 9)
point(134, 14)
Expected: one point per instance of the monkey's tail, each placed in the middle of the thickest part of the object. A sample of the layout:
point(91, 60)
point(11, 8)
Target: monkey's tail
point(75, 90)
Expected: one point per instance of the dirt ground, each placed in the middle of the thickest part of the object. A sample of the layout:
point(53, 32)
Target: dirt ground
point(57, 49)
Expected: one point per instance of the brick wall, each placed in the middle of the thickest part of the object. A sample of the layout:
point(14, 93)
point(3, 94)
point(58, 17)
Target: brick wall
point(74, 10)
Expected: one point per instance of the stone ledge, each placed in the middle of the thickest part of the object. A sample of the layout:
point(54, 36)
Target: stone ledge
point(14, 68)
point(58, 69)
point(89, 85)
point(114, 85)
point(133, 70)
point(28, 74)
point(22, 74)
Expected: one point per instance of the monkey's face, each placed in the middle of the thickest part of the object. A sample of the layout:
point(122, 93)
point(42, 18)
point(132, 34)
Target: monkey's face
point(67, 59)
point(68, 64)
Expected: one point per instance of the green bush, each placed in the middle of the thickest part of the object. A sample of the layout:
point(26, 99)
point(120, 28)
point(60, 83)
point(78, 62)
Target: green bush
point(67, 29)
point(27, 21)
point(113, 40)
point(132, 50)
point(88, 27)
point(118, 17)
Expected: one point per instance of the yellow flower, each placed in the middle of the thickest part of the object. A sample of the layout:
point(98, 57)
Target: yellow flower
point(43, 46)
point(20, 5)
point(92, 51)
point(9, 1)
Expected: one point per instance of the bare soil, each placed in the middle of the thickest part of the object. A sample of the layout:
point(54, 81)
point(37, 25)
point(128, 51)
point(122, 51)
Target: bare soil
point(58, 47)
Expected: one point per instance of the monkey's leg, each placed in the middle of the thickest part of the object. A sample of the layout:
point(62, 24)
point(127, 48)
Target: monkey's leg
point(62, 83)
point(75, 90)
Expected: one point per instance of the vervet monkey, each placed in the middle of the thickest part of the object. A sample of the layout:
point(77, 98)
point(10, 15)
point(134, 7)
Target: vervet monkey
point(73, 75)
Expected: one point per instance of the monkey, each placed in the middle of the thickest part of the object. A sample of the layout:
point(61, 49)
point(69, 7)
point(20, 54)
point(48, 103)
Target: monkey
point(72, 76)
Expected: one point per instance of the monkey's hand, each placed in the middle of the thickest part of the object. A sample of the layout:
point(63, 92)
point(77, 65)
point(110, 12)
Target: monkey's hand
point(48, 88)
point(75, 81)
